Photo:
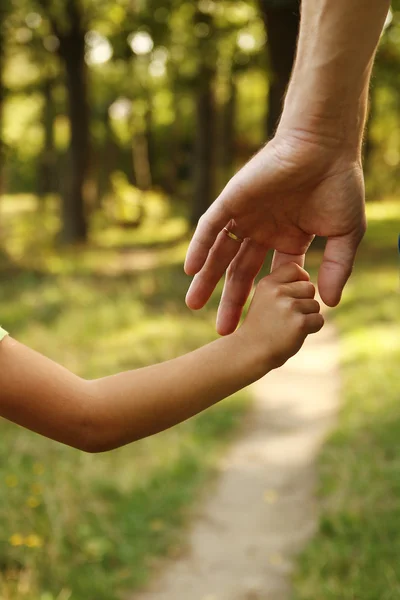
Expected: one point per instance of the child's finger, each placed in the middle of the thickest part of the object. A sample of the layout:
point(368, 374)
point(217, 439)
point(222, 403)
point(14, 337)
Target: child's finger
point(314, 323)
point(300, 289)
point(307, 307)
point(289, 273)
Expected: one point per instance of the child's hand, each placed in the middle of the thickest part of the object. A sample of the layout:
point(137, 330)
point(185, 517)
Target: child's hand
point(283, 312)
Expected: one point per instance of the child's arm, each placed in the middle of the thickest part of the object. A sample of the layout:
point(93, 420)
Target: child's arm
point(107, 413)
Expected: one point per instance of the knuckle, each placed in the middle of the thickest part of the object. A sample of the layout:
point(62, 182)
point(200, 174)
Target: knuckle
point(237, 273)
point(266, 284)
point(213, 253)
point(303, 322)
point(278, 291)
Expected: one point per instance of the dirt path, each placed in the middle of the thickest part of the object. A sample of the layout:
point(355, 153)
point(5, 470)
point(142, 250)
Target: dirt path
point(261, 510)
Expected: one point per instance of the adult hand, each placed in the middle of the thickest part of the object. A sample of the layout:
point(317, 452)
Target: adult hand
point(296, 187)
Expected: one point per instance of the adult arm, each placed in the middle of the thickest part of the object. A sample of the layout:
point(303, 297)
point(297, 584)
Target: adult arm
point(308, 180)
point(328, 91)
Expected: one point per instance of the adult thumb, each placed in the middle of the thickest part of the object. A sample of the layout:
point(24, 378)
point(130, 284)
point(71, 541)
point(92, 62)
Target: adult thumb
point(337, 266)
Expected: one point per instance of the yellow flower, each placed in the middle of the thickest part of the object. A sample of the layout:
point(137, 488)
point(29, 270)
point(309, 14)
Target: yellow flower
point(157, 525)
point(36, 488)
point(33, 541)
point(11, 481)
point(33, 502)
point(16, 539)
point(38, 468)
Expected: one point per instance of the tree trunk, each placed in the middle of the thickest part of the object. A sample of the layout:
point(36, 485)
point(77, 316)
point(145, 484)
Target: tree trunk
point(141, 152)
point(2, 95)
point(151, 149)
point(47, 167)
point(282, 22)
point(204, 147)
point(141, 127)
point(74, 218)
point(228, 130)
point(70, 30)
point(107, 159)
point(204, 172)
point(170, 171)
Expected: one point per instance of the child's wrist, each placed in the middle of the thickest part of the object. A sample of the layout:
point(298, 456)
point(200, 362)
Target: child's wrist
point(256, 359)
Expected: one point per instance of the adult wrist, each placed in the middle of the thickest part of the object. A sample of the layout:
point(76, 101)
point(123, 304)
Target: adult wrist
point(325, 120)
point(328, 92)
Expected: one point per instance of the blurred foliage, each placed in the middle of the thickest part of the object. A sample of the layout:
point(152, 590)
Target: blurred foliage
point(143, 58)
point(143, 63)
point(383, 134)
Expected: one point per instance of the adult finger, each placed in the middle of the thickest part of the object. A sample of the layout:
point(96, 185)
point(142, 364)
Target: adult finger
point(337, 265)
point(238, 284)
point(280, 258)
point(207, 230)
point(218, 260)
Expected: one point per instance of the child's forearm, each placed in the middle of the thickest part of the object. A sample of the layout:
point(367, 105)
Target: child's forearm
point(100, 415)
point(137, 404)
point(107, 413)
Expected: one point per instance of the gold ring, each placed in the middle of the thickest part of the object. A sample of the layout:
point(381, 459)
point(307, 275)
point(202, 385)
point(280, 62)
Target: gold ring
point(233, 236)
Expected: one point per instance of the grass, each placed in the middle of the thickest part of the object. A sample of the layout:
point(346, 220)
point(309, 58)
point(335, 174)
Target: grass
point(356, 553)
point(87, 527)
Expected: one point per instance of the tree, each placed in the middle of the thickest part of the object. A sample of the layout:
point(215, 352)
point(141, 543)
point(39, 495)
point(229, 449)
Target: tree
point(4, 8)
point(282, 20)
point(47, 161)
point(70, 27)
point(203, 192)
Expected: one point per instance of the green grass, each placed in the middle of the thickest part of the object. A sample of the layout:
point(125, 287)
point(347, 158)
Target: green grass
point(86, 527)
point(356, 554)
